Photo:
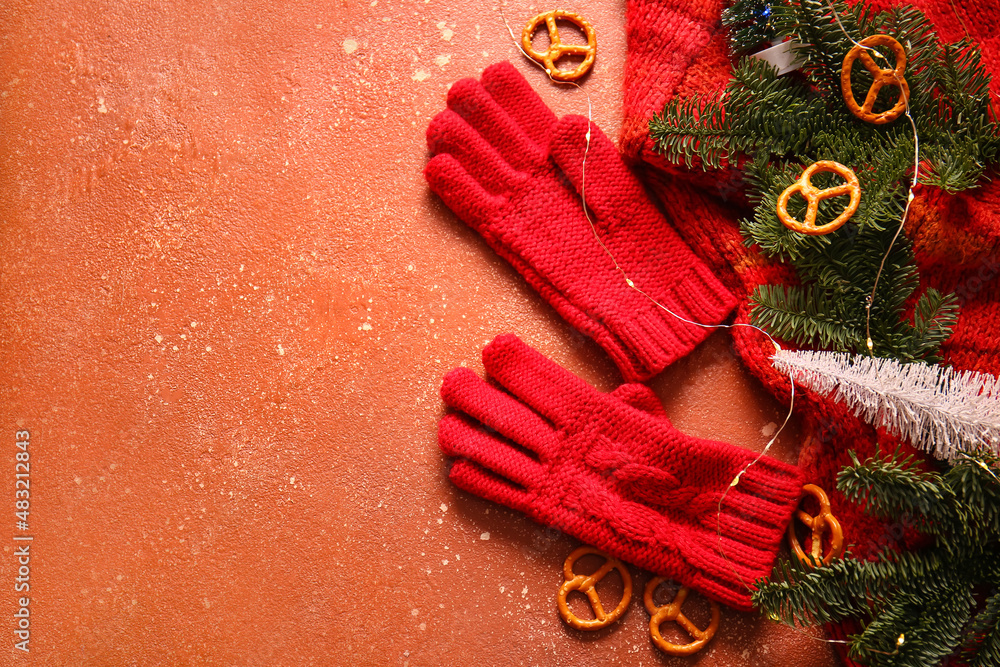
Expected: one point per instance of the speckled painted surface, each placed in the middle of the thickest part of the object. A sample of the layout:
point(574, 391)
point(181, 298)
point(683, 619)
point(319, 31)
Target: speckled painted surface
point(228, 299)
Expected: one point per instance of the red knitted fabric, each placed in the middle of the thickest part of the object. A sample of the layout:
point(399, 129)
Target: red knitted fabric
point(507, 167)
point(610, 470)
point(678, 48)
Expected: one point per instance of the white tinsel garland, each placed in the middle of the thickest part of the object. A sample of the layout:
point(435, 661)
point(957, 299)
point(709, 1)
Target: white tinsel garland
point(939, 410)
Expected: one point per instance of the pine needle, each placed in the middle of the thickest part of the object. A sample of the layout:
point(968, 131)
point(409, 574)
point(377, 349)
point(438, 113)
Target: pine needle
point(937, 409)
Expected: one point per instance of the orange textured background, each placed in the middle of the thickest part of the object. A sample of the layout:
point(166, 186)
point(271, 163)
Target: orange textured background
point(228, 300)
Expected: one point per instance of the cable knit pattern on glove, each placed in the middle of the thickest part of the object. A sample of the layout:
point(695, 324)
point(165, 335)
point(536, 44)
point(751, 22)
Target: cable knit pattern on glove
point(508, 168)
point(612, 471)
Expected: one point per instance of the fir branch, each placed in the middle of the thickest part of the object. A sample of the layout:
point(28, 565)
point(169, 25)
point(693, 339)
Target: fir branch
point(930, 626)
point(935, 408)
point(693, 129)
point(804, 315)
point(933, 319)
point(924, 597)
point(890, 488)
point(974, 479)
point(777, 113)
point(953, 168)
point(811, 23)
point(982, 643)
point(799, 594)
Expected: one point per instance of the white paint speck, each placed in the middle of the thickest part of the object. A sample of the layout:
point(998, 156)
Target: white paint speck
point(442, 60)
point(768, 429)
point(365, 327)
point(281, 350)
point(446, 32)
point(414, 612)
point(484, 536)
point(444, 508)
point(421, 75)
point(350, 45)
point(158, 338)
point(100, 105)
point(410, 267)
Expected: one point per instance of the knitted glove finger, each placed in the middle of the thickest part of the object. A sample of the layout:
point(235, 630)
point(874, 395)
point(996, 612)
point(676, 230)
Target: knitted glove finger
point(471, 101)
point(462, 193)
point(481, 163)
point(516, 96)
point(479, 481)
point(450, 134)
point(459, 437)
point(464, 390)
point(543, 385)
point(569, 402)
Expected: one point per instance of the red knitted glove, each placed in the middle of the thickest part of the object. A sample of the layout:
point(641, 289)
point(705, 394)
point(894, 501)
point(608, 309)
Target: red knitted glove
point(512, 171)
point(605, 470)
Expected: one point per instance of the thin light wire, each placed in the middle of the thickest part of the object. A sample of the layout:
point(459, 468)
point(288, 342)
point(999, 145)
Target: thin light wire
point(960, 21)
point(628, 281)
point(981, 464)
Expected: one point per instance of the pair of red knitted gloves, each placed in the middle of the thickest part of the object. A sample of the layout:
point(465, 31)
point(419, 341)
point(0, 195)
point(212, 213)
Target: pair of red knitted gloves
point(608, 469)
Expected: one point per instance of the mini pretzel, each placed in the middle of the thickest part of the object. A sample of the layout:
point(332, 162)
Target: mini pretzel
point(814, 195)
point(883, 77)
point(556, 48)
point(818, 524)
point(585, 584)
point(672, 612)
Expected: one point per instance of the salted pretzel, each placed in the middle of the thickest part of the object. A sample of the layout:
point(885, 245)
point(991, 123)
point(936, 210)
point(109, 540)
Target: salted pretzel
point(585, 584)
point(672, 612)
point(818, 525)
point(814, 195)
point(883, 77)
point(556, 48)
